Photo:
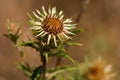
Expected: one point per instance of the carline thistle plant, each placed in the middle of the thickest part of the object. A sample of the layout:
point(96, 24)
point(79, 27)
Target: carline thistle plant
point(99, 70)
point(52, 33)
point(88, 69)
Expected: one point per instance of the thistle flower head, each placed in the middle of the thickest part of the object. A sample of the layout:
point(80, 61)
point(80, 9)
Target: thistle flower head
point(14, 31)
point(52, 24)
point(13, 28)
point(100, 71)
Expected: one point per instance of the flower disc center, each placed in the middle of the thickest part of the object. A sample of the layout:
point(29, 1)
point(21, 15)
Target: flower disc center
point(52, 25)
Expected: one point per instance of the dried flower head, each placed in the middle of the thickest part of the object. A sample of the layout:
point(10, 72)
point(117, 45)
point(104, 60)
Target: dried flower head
point(13, 28)
point(100, 71)
point(52, 24)
point(14, 31)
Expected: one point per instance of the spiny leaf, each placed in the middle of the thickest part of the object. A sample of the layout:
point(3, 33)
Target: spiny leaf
point(76, 31)
point(59, 70)
point(68, 57)
point(25, 68)
point(12, 37)
point(18, 31)
point(28, 43)
point(30, 16)
point(63, 54)
point(70, 42)
point(38, 71)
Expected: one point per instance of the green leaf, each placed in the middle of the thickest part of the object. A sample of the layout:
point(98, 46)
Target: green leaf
point(59, 70)
point(26, 69)
point(12, 37)
point(28, 43)
point(29, 16)
point(22, 54)
point(63, 54)
point(70, 42)
point(46, 56)
point(38, 71)
point(68, 57)
point(76, 31)
point(18, 31)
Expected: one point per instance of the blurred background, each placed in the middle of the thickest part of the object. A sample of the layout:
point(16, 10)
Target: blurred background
point(100, 21)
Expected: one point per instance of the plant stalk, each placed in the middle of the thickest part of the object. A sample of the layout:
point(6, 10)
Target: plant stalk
point(44, 66)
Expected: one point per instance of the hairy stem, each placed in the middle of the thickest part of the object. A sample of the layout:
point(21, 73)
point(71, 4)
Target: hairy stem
point(44, 65)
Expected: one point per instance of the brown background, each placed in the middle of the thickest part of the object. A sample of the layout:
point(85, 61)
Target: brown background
point(100, 22)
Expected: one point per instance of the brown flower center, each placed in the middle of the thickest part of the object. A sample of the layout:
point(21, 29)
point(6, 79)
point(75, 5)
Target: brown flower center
point(96, 73)
point(52, 25)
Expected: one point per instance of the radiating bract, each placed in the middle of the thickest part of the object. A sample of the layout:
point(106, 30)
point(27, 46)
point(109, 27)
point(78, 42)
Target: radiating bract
point(52, 24)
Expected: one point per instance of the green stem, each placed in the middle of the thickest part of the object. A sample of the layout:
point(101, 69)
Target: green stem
point(44, 65)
